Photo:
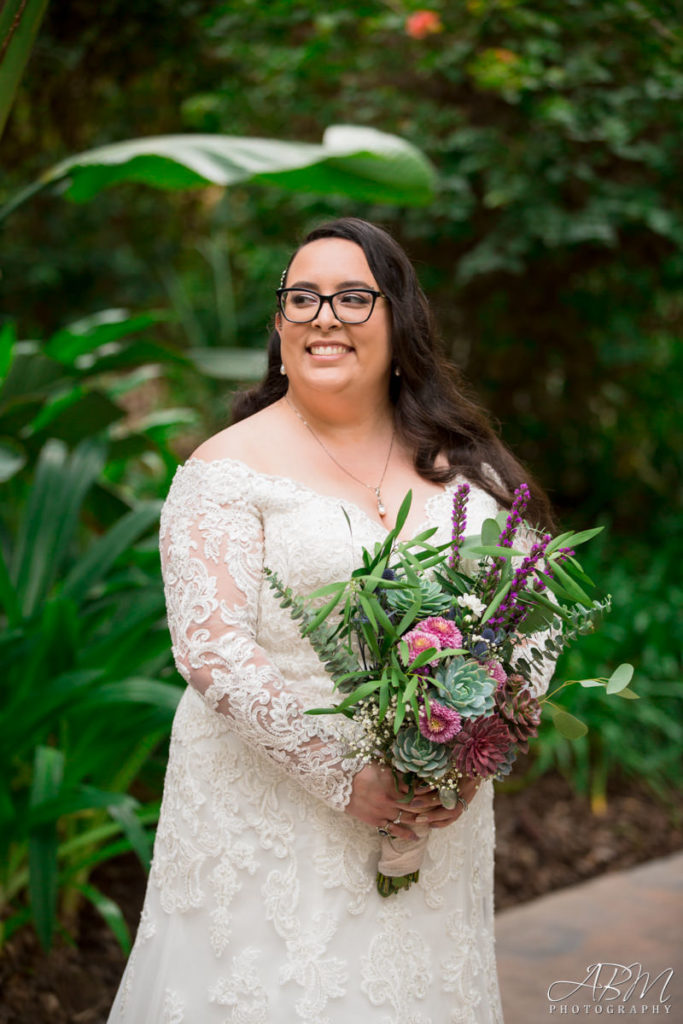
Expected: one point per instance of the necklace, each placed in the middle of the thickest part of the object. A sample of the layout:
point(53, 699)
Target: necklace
point(375, 490)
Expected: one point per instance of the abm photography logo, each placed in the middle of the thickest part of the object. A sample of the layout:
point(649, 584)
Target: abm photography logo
point(618, 989)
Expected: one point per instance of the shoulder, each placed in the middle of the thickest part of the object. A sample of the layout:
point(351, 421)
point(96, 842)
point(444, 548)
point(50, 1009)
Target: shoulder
point(244, 441)
point(228, 469)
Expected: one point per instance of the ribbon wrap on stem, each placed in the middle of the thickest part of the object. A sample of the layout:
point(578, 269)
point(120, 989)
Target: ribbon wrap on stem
point(400, 861)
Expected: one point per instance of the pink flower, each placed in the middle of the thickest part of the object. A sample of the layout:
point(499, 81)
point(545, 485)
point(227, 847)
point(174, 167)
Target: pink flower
point(442, 725)
point(420, 640)
point(496, 671)
point(423, 23)
point(481, 746)
point(444, 631)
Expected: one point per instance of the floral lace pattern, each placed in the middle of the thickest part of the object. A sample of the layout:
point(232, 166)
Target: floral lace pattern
point(262, 907)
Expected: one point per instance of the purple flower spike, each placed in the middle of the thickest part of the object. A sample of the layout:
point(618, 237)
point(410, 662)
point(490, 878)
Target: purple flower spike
point(512, 611)
point(459, 523)
point(520, 501)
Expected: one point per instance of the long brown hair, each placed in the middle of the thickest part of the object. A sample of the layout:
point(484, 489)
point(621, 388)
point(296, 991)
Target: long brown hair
point(435, 411)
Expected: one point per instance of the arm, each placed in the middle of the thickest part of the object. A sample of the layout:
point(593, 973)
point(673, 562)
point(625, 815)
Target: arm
point(212, 560)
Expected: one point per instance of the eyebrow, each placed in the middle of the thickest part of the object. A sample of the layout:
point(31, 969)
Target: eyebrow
point(312, 286)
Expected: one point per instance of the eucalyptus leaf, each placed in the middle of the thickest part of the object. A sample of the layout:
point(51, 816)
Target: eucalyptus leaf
point(620, 678)
point(490, 532)
point(567, 724)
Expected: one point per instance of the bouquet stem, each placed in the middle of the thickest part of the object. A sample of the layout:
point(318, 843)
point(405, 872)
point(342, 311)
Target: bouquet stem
point(400, 861)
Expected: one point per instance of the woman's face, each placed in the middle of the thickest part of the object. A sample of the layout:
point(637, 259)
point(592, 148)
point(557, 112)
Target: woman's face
point(327, 354)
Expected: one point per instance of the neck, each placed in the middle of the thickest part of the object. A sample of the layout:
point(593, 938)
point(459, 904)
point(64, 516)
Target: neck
point(336, 418)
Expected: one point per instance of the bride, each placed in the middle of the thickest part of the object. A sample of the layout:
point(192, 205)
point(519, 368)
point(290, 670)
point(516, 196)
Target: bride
point(261, 906)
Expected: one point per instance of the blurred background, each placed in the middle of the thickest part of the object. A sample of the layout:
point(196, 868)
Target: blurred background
point(551, 248)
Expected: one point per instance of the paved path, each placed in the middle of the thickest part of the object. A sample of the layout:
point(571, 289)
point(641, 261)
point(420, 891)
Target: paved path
point(624, 918)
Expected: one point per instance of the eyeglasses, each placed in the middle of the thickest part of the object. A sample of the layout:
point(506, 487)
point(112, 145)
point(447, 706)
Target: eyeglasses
point(351, 306)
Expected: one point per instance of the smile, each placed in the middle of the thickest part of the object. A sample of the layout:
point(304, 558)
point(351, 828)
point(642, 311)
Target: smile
point(320, 349)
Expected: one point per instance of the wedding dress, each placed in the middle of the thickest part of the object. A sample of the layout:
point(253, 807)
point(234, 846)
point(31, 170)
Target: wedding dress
point(261, 906)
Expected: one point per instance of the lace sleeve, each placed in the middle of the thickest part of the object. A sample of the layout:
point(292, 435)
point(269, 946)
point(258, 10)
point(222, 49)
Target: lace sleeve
point(212, 560)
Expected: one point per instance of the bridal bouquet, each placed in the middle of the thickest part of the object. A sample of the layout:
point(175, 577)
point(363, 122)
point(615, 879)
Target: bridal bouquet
point(433, 651)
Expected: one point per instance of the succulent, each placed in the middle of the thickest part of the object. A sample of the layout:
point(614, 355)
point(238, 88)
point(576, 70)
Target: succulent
point(466, 687)
point(521, 713)
point(481, 747)
point(412, 752)
point(507, 765)
point(434, 601)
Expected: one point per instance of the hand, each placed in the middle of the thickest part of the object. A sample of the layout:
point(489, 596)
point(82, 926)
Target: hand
point(436, 815)
point(376, 800)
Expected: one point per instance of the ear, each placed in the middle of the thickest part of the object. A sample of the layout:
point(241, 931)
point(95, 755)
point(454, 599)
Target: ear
point(278, 321)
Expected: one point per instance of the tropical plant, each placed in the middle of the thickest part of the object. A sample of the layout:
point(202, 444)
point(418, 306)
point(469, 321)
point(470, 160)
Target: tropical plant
point(87, 692)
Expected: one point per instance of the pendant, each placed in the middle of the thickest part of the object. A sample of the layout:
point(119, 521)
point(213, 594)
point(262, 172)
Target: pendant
point(380, 504)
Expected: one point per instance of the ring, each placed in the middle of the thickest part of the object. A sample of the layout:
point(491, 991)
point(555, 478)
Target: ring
point(384, 831)
point(461, 800)
point(397, 821)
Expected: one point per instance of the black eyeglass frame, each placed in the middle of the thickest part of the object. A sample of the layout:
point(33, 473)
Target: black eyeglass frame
point(328, 298)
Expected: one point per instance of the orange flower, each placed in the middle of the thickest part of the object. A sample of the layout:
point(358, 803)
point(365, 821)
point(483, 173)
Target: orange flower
point(423, 23)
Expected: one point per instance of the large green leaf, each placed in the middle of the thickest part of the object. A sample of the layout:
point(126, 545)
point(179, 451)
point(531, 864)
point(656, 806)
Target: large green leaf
point(105, 327)
point(363, 163)
point(102, 554)
point(51, 517)
point(19, 22)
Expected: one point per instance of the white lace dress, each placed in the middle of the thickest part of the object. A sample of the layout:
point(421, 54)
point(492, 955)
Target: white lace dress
point(261, 906)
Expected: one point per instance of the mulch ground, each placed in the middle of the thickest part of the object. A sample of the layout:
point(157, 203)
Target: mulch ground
point(546, 838)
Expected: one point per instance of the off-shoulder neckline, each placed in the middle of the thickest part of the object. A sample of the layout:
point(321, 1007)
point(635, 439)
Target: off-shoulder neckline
point(426, 521)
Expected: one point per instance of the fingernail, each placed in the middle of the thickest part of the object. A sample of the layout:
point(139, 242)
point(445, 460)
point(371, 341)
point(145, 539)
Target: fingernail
point(421, 819)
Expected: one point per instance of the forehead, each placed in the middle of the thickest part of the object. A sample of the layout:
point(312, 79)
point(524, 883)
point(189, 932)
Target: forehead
point(331, 261)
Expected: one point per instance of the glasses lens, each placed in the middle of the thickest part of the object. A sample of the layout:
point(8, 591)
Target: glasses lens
point(300, 307)
point(352, 307)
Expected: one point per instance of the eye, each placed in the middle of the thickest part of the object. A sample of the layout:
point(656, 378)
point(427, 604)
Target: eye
point(302, 299)
point(355, 298)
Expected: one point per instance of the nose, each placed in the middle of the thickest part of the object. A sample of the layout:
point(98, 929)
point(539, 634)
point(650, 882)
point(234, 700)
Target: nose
point(326, 315)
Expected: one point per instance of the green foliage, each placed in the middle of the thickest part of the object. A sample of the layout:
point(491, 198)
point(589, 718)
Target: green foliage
point(639, 739)
point(84, 645)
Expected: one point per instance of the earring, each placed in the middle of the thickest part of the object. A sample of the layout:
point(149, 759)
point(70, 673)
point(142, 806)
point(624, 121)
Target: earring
point(397, 371)
point(282, 370)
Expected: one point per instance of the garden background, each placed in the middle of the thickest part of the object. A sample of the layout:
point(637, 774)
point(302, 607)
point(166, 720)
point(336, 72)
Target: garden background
point(546, 223)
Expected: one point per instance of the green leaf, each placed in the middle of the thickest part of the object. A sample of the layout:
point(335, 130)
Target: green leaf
point(12, 458)
point(620, 678)
point(490, 532)
point(491, 550)
point(48, 773)
point(139, 839)
point(558, 542)
point(628, 694)
point(359, 162)
point(567, 724)
point(570, 585)
point(111, 913)
point(496, 603)
point(102, 554)
point(366, 605)
point(230, 363)
point(19, 24)
point(583, 536)
point(84, 337)
point(51, 517)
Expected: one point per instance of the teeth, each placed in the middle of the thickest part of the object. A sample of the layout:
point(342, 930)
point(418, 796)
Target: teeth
point(327, 349)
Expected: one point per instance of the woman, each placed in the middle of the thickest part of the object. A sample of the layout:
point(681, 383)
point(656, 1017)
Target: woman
point(262, 906)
